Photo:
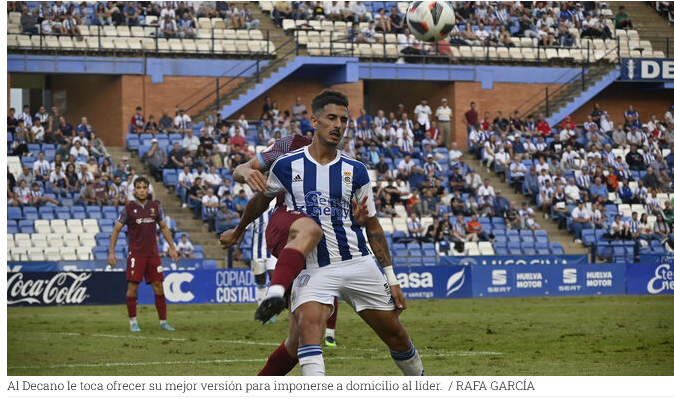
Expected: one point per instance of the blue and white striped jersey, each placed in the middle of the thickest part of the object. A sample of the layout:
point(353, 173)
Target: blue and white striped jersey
point(260, 250)
point(324, 193)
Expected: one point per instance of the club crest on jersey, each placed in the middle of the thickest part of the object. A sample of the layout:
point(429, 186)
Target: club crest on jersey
point(347, 178)
point(152, 211)
point(135, 211)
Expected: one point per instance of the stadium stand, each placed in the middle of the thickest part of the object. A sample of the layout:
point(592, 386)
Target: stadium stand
point(424, 186)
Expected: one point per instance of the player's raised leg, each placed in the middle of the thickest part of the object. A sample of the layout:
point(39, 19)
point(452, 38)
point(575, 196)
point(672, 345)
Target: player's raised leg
point(303, 236)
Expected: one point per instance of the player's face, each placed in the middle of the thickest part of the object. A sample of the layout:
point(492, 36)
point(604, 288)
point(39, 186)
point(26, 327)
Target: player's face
point(140, 191)
point(330, 124)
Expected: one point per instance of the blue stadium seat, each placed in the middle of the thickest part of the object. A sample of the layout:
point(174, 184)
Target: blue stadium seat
point(27, 226)
point(414, 261)
point(132, 142)
point(62, 213)
point(34, 148)
point(429, 261)
point(556, 248)
point(100, 253)
point(14, 212)
point(12, 227)
point(30, 213)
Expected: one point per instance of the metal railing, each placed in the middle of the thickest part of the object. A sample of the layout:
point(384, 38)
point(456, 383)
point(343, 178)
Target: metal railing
point(548, 94)
point(229, 93)
point(99, 34)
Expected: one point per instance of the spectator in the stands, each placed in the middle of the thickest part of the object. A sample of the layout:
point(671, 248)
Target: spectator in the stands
point(168, 27)
point(131, 14)
point(186, 27)
point(165, 122)
point(195, 194)
point(226, 219)
point(28, 22)
point(210, 204)
point(155, 159)
point(382, 21)
point(182, 122)
point(282, 10)
point(622, 19)
point(184, 247)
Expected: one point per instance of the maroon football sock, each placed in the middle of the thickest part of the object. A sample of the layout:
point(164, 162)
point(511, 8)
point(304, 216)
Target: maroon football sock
point(131, 306)
point(332, 321)
point(289, 265)
point(160, 304)
point(280, 362)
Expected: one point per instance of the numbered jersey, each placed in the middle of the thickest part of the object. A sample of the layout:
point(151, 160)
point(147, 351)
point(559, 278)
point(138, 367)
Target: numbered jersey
point(141, 222)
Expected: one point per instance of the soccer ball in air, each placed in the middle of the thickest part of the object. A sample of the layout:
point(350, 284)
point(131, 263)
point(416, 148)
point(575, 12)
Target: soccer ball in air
point(430, 21)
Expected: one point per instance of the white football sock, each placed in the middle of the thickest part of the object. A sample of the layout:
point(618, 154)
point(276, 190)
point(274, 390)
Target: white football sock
point(132, 320)
point(330, 332)
point(311, 360)
point(260, 291)
point(275, 290)
point(408, 361)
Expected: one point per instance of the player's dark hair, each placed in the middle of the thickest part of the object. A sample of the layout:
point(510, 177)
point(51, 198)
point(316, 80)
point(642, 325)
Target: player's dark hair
point(141, 180)
point(328, 97)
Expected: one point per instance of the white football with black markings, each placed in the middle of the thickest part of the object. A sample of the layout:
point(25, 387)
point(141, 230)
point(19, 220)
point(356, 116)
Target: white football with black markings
point(431, 21)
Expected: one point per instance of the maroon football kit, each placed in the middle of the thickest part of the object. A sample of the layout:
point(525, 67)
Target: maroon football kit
point(143, 258)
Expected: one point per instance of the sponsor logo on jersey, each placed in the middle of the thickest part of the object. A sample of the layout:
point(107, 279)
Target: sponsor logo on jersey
point(347, 178)
point(318, 205)
point(297, 178)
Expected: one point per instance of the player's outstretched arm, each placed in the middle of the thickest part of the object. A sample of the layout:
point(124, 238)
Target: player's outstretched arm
point(379, 245)
point(166, 232)
point(253, 210)
point(251, 173)
point(112, 259)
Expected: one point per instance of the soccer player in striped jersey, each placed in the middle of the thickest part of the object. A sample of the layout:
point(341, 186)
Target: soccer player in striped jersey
point(263, 261)
point(327, 186)
point(290, 235)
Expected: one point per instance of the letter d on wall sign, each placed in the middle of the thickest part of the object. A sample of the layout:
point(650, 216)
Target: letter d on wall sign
point(650, 70)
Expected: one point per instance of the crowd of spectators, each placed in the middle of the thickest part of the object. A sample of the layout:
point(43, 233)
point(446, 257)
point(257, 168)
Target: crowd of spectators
point(70, 165)
point(579, 174)
point(478, 23)
point(174, 19)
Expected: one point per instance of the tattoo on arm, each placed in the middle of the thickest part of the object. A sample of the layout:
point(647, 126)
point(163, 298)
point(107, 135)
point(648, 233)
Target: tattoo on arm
point(378, 243)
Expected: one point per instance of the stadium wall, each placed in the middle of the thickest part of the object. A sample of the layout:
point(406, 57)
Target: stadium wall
point(645, 98)
point(288, 89)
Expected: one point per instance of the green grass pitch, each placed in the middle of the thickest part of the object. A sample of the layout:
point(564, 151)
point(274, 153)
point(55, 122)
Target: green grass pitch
point(614, 335)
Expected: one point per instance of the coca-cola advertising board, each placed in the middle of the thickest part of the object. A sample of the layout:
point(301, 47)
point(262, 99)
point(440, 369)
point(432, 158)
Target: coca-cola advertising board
point(65, 288)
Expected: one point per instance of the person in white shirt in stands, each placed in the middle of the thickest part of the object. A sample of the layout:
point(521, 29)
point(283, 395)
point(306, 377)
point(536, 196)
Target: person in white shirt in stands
point(454, 153)
point(41, 168)
point(333, 11)
point(190, 142)
point(481, 33)
point(185, 180)
point(517, 171)
point(502, 159)
point(444, 115)
point(359, 12)
point(572, 192)
point(406, 143)
point(185, 248)
point(183, 122)
point(79, 152)
point(423, 113)
point(414, 227)
point(213, 178)
point(405, 166)
point(210, 204)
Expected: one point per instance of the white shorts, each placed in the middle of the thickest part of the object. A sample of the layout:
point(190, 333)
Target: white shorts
point(359, 282)
point(261, 265)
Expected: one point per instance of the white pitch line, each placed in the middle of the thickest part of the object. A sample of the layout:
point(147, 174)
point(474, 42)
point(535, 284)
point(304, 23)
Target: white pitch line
point(132, 364)
point(239, 342)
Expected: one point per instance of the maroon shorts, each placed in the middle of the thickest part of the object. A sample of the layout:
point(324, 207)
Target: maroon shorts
point(278, 228)
point(148, 267)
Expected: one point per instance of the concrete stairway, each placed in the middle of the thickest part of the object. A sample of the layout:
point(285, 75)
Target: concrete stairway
point(574, 94)
point(242, 95)
point(183, 217)
point(647, 22)
point(561, 236)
